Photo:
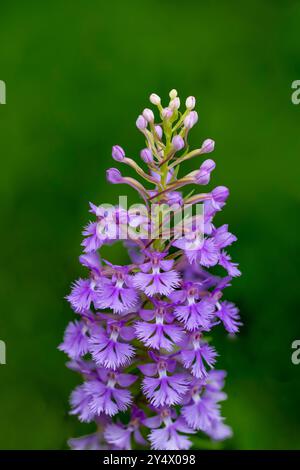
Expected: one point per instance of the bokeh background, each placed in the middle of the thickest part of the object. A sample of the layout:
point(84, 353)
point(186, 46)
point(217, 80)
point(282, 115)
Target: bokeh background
point(78, 73)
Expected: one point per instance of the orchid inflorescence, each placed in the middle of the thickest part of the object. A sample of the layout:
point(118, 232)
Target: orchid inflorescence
point(140, 343)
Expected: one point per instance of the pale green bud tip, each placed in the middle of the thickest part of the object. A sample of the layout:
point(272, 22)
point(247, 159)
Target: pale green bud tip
point(173, 94)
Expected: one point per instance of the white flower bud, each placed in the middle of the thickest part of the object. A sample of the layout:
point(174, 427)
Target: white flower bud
point(155, 99)
point(190, 102)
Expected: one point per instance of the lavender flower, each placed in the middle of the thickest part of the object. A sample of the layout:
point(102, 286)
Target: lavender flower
point(163, 332)
point(75, 342)
point(107, 348)
point(166, 388)
point(196, 353)
point(141, 342)
point(117, 292)
point(168, 431)
point(193, 307)
point(119, 435)
point(83, 294)
point(156, 276)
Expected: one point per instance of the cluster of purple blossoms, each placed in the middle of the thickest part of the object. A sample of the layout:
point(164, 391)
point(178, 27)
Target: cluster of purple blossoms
point(140, 341)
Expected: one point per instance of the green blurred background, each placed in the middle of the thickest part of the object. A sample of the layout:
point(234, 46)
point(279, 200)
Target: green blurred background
point(78, 73)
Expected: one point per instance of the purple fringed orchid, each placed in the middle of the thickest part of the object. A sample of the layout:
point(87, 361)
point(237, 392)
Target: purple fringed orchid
point(140, 340)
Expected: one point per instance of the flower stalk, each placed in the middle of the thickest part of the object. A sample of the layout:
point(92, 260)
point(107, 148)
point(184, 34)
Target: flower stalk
point(140, 342)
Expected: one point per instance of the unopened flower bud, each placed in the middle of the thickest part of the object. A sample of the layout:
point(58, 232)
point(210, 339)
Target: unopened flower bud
point(167, 113)
point(175, 103)
point(113, 175)
point(155, 99)
point(208, 146)
point(159, 131)
point(191, 119)
point(190, 102)
point(146, 155)
point(219, 196)
point(148, 115)
point(178, 142)
point(141, 123)
point(118, 153)
point(203, 175)
point(173, 94)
